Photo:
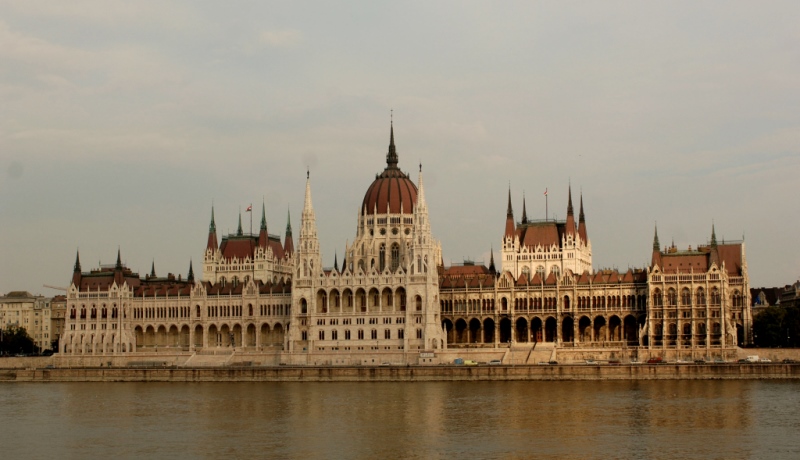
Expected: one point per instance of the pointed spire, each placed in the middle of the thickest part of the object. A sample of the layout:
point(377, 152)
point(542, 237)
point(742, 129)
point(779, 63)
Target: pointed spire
point(524, 211)
point(263, 216)
point(713, 236)
point(77, 267)
point(239, 231)
point(509, 210)
point(153, 269)
point(582, 224)
point(213, 226)
point(492, 268)
point(336, 262)
point(656, 244)
point(307, 206)
point(118, 266)
point(510, 225)
point(288, 243)
point(569, 202)
point(420, 190)
point(570, 226)
point(391, 156)
point(212, 233)
point(190, 276)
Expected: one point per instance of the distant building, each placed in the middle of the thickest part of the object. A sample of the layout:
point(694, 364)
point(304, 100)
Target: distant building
point(32, 312)
point(790, 295)
point(58, 310)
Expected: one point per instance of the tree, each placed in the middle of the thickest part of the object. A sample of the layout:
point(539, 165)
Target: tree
point(777, 327)
point(16, 340)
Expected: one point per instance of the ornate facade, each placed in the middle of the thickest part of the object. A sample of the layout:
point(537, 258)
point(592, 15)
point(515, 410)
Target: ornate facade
point(392, 295)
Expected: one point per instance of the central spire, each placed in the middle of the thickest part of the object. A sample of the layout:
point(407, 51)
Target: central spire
point(391, 156)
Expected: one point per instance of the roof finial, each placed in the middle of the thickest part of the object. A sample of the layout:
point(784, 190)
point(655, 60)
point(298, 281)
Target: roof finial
point(239, 231)
point(190, 276)
point(119, 260)
point(153, 269)
point(288, 222)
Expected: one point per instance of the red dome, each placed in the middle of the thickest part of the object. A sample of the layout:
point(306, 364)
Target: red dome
point(390, 192)
point(392, 189)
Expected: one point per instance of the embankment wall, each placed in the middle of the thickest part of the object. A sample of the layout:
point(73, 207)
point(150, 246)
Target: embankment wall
point(408, 373)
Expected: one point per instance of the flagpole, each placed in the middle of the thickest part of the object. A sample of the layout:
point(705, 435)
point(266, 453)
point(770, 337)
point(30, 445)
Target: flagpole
point(251, 219)
point(546, 212)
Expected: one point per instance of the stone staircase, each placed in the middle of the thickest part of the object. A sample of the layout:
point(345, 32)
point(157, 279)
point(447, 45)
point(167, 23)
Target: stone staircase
point(543, 352)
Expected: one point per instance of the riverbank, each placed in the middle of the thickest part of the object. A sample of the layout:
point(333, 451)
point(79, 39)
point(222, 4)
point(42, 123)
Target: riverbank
point(409, 373)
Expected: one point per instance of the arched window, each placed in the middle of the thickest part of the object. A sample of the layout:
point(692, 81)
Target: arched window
point(686, 297)
point(657, 298)
point(701, 296)
point(715, 298)
point(418, 301)
point(555, 270)
point(395, 256)
point(382, 258)
point(672, 297)
point(540, 271)
point(303, 306)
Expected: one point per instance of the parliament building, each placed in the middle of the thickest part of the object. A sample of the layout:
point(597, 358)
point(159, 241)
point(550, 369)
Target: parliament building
point(393, 300)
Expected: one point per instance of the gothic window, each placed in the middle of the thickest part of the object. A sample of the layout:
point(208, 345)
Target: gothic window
point(334, 335)
point(418, 301)
point(322, 335)
point(686, 297)
point(382, 258)
point(419, 333)
point(657, 298)
point(395, 256)
point(374, 334)
point(303, 306)
point(555, 270)
point(672, 297)
point(400, 334)
point(525, 270)
point(387, 334)
point(715, 298)
point(347, 334)
point(360, 334)
point(701, 296)
point(540, 271)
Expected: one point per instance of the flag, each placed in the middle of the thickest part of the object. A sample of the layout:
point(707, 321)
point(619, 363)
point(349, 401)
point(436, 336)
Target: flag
point(249, 209)
point(545, 192)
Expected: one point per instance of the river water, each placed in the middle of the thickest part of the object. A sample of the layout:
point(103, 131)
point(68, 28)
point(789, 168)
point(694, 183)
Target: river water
point(431, 420)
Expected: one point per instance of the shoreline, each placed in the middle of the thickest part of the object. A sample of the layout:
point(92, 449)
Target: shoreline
point(590, 372)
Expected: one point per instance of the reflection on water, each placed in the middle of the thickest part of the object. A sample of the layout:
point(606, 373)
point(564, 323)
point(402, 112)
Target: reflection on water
point(665, 419)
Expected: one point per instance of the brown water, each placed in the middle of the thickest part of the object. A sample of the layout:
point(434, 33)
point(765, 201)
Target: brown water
point(608, 420)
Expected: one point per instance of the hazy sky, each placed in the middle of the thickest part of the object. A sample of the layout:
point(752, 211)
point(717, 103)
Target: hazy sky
point(121, 122)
